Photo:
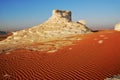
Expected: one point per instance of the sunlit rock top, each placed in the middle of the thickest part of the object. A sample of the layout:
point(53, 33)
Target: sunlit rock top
point(61, 14)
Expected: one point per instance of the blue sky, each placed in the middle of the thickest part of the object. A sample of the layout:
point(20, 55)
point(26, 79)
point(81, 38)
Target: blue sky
point(20, 14)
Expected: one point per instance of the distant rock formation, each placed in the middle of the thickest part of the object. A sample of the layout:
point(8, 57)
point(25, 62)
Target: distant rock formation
point(2, 32)
point(59, 25)
point(117, 27)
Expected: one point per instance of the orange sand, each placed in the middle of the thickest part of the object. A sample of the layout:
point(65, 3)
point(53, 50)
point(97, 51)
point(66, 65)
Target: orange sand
point(95, 57)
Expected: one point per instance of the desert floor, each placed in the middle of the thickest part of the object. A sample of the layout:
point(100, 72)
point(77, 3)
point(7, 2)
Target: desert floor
point(95, 57)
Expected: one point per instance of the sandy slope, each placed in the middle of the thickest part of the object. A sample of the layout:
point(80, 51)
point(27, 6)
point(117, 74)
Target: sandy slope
point(95, 56)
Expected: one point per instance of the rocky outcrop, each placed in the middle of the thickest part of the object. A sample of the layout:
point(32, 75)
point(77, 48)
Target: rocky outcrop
point(117, 27)
point(3, 33)
point(115, 77)
point(59, 25)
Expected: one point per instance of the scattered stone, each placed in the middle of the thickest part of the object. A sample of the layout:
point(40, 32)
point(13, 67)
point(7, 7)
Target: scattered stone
point(102, 35)
point(70, 48)
point(7, 53)
point(79, 39)
point(6, 76)
point(51, 51)
point(100, 41)
point(115, 77)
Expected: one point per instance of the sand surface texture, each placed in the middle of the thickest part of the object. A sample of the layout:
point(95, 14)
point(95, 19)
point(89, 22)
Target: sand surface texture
point(94, 56)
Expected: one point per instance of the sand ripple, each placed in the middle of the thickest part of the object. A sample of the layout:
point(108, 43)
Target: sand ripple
point(86, 60)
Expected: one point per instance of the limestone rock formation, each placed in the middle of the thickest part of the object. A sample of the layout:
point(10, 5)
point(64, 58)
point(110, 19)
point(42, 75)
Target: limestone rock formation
point(3, 32)
point(117, 27)
point(115, 77)
point(59, 25)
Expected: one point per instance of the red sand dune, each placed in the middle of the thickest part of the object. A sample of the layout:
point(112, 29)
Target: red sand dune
point(96, 57)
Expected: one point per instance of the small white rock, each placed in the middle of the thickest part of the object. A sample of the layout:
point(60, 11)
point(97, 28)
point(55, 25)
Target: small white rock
point(51, 51)
point(70, 48)
point(100, 41)
point(102, 35)
point(6, 75)
point(7, 53)
point(79, 39)
point(117, 27)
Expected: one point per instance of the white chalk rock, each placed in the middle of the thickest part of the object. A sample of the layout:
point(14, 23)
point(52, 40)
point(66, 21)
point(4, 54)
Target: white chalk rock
point(58, 26)
point(117, 27)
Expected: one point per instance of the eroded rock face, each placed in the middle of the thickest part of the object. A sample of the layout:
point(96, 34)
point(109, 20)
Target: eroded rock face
point(117, 27)
point(59, 15)
point(58, 26)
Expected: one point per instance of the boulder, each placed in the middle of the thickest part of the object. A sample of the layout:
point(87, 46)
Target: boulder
point(117, 27)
